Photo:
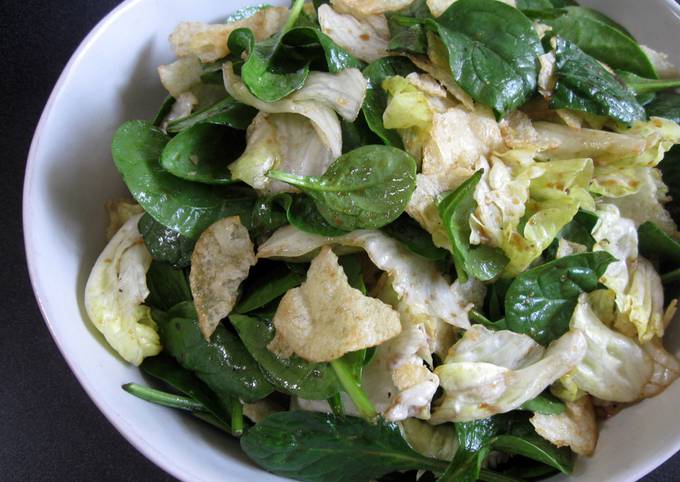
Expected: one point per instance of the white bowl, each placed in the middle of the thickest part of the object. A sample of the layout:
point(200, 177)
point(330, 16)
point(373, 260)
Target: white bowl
point(111, 78)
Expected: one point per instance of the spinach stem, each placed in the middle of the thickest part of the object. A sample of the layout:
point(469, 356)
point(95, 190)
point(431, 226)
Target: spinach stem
point(353, 389)
point(163, 398)
point(237, 418)
point(335, 403)
point(295, 10)
point(671, 276)
point(477, 317)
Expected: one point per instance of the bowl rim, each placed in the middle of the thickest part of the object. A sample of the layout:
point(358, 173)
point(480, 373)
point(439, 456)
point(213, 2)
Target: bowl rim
point(147, 449)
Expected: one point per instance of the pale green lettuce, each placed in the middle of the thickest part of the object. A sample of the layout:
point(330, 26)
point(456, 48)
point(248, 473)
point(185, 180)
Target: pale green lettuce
point(115, 294)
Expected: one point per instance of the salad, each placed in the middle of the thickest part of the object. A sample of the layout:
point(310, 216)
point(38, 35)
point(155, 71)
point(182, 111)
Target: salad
point(400, 239)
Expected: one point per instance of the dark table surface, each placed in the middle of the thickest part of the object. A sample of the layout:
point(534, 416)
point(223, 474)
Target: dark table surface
point(50, 429)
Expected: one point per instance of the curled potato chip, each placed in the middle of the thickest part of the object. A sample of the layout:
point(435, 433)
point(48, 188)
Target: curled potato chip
point(181, 75)
point(221, 260)
point(325, 317)
point(575, 428)
point(209, 41)
point(120, 210)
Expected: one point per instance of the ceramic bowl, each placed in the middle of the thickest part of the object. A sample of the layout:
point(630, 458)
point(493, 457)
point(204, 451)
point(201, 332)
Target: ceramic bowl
point(69, 176)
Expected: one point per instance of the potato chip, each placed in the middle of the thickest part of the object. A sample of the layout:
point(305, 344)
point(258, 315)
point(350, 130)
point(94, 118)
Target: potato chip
point(209, 41)
point(120, 210)
point(181, 75)
point(362, 8)
point(575, 428)
point(221, 260)
point(325, 317)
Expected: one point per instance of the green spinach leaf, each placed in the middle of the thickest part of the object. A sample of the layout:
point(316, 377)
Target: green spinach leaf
point(602, 38)
point(584, 85)
point(493, 52)
point(641, 85)
point(322, 447)
point(545, 404)
point(523, 440)
point(169, 371)
point(577, 231)
point(670, 170)
point(222, 363)
point(293, 376)
point(656, 244)
point(165, 244)
point(266, 286)
point(408, 232)
point(540, 301)
point(164, 110)
point(265, 73)
point(356, 134)
point(183, 206)
point(335, 57)
point(202, 153)
point(482, 262)
point(167, 286)
point(474, 444)
point(543, 4)
point(368, 187)
point(227, 112)
point(406, 35)
point(666, 105)
point(376, 98)
point(301, 212)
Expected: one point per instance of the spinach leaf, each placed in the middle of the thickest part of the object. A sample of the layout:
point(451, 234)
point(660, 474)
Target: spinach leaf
point(356, 134)
point(641, 85)
point(169, 371)
point(577, 231)
point(266, 217)
point(656, 244)
point(540, 301)
point(406, 35)
point(164, 110)
point(165, 244)
point(368, 187)
point(670, 170)
point(543, 4)
point(222, 363)
point(167, 286)
point(267, 285)
point(293, 376)
point(183, 206)
point(602, 38)
point(584, 85)
point(202, 153)
point(474, 444)
point(376, 98)
point(266, 74)
point(227, 112)
point(408, 232)
point(301, 212)
point(666, 105)
point(335, 57)
point(545, 404)
point(493, 52)
point(523, 440)
point(322, 447)
point(482, 262)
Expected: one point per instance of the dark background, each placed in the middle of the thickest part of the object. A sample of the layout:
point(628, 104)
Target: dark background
point(50, 429)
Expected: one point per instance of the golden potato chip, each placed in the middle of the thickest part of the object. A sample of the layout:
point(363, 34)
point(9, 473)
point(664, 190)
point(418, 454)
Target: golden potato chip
point(209, 41)
point(575, 428)
point(221, 260)
point(181, 75)
point(325, 317)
